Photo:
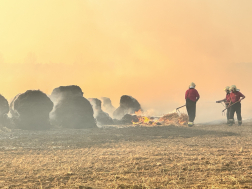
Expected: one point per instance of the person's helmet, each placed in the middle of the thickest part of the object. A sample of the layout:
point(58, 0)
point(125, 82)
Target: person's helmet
point(227, 88)
point(233, 88)
point(192, 85)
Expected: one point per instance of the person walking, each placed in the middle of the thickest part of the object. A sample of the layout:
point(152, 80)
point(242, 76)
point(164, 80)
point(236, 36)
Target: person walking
point(235, 96)
point(227, 101)
point(191, 97)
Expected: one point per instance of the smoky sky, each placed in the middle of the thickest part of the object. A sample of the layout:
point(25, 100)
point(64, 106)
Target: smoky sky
point(150, 50)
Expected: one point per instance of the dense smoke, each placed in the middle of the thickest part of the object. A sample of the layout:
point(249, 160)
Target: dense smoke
point(107, 106)
point(101, 117)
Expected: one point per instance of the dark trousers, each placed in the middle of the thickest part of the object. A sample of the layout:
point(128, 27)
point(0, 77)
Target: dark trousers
point(191, 109)
point(235, 108)
point(228, 112)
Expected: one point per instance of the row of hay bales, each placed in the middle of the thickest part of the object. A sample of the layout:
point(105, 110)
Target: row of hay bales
point(65, 107)
point(128, 105)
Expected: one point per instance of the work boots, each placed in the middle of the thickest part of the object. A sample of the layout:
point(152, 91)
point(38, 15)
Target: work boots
point(190, 124)
point(230, 122)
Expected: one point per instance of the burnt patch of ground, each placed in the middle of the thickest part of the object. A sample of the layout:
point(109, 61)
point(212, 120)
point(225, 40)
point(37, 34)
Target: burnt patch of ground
point(72, 138)
point(161, 157)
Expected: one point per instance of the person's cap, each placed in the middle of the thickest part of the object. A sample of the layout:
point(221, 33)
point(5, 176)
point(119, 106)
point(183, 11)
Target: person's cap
point(192, 85)
point(233, 87)
point(227, 88)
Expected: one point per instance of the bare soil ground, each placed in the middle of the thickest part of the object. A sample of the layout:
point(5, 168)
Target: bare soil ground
point(215, 156)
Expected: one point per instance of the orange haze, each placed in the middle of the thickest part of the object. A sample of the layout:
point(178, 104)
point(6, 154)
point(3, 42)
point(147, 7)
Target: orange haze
point(151, 50)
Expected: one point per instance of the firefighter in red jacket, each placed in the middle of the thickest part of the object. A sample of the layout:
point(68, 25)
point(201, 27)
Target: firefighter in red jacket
point(191, 96)
point(235, 96)
point(227, 101)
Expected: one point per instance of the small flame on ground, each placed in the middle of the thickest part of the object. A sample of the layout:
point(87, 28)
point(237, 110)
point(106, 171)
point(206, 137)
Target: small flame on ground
point(168, 119)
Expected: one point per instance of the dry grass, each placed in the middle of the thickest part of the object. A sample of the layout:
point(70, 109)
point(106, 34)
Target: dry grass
point(139, 157)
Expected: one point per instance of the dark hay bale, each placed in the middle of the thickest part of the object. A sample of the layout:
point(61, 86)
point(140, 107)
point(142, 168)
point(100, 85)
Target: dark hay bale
point(71, 90)
point(30, 110)
point(128, 105)
point(71, 109)
point(4, 105)
point(101, 117)
point(96, 103)
point(128, 119)
point(4, 109)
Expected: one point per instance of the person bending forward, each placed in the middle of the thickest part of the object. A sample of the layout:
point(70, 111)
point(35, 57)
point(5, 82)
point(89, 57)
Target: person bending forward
point(191, 96)
point(227, 102)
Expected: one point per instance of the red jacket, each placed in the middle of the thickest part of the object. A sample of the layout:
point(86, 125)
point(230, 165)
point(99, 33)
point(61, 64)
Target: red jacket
point(228, 99)
point(192, 94)
point(235, 96)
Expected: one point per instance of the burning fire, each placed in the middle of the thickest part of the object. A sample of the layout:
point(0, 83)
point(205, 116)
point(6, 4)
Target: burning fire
point(139, 113)
point(142, 119)
point(168, 119)
point(174, 119)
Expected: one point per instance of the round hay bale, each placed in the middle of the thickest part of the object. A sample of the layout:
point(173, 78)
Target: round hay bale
point(128, 105)
point(129, 119)
point(4, 105)
point(71, 109)
point(66, 91)
point(30, 110)
point(4, 109)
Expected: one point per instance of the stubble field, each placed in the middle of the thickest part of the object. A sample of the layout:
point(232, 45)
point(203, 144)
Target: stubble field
point(215, 156)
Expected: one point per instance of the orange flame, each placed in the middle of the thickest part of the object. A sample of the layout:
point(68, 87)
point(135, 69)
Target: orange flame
point(168, 119)
point(139, 112)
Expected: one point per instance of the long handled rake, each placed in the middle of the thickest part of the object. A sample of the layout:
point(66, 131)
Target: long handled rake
point(230, 105)
point(177, 109)
point(223, 112)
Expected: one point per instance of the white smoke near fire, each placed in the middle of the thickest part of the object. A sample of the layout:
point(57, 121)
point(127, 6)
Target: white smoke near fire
point(150, 112)
point(12, 112)
point(56, 99)
point(107, 106)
